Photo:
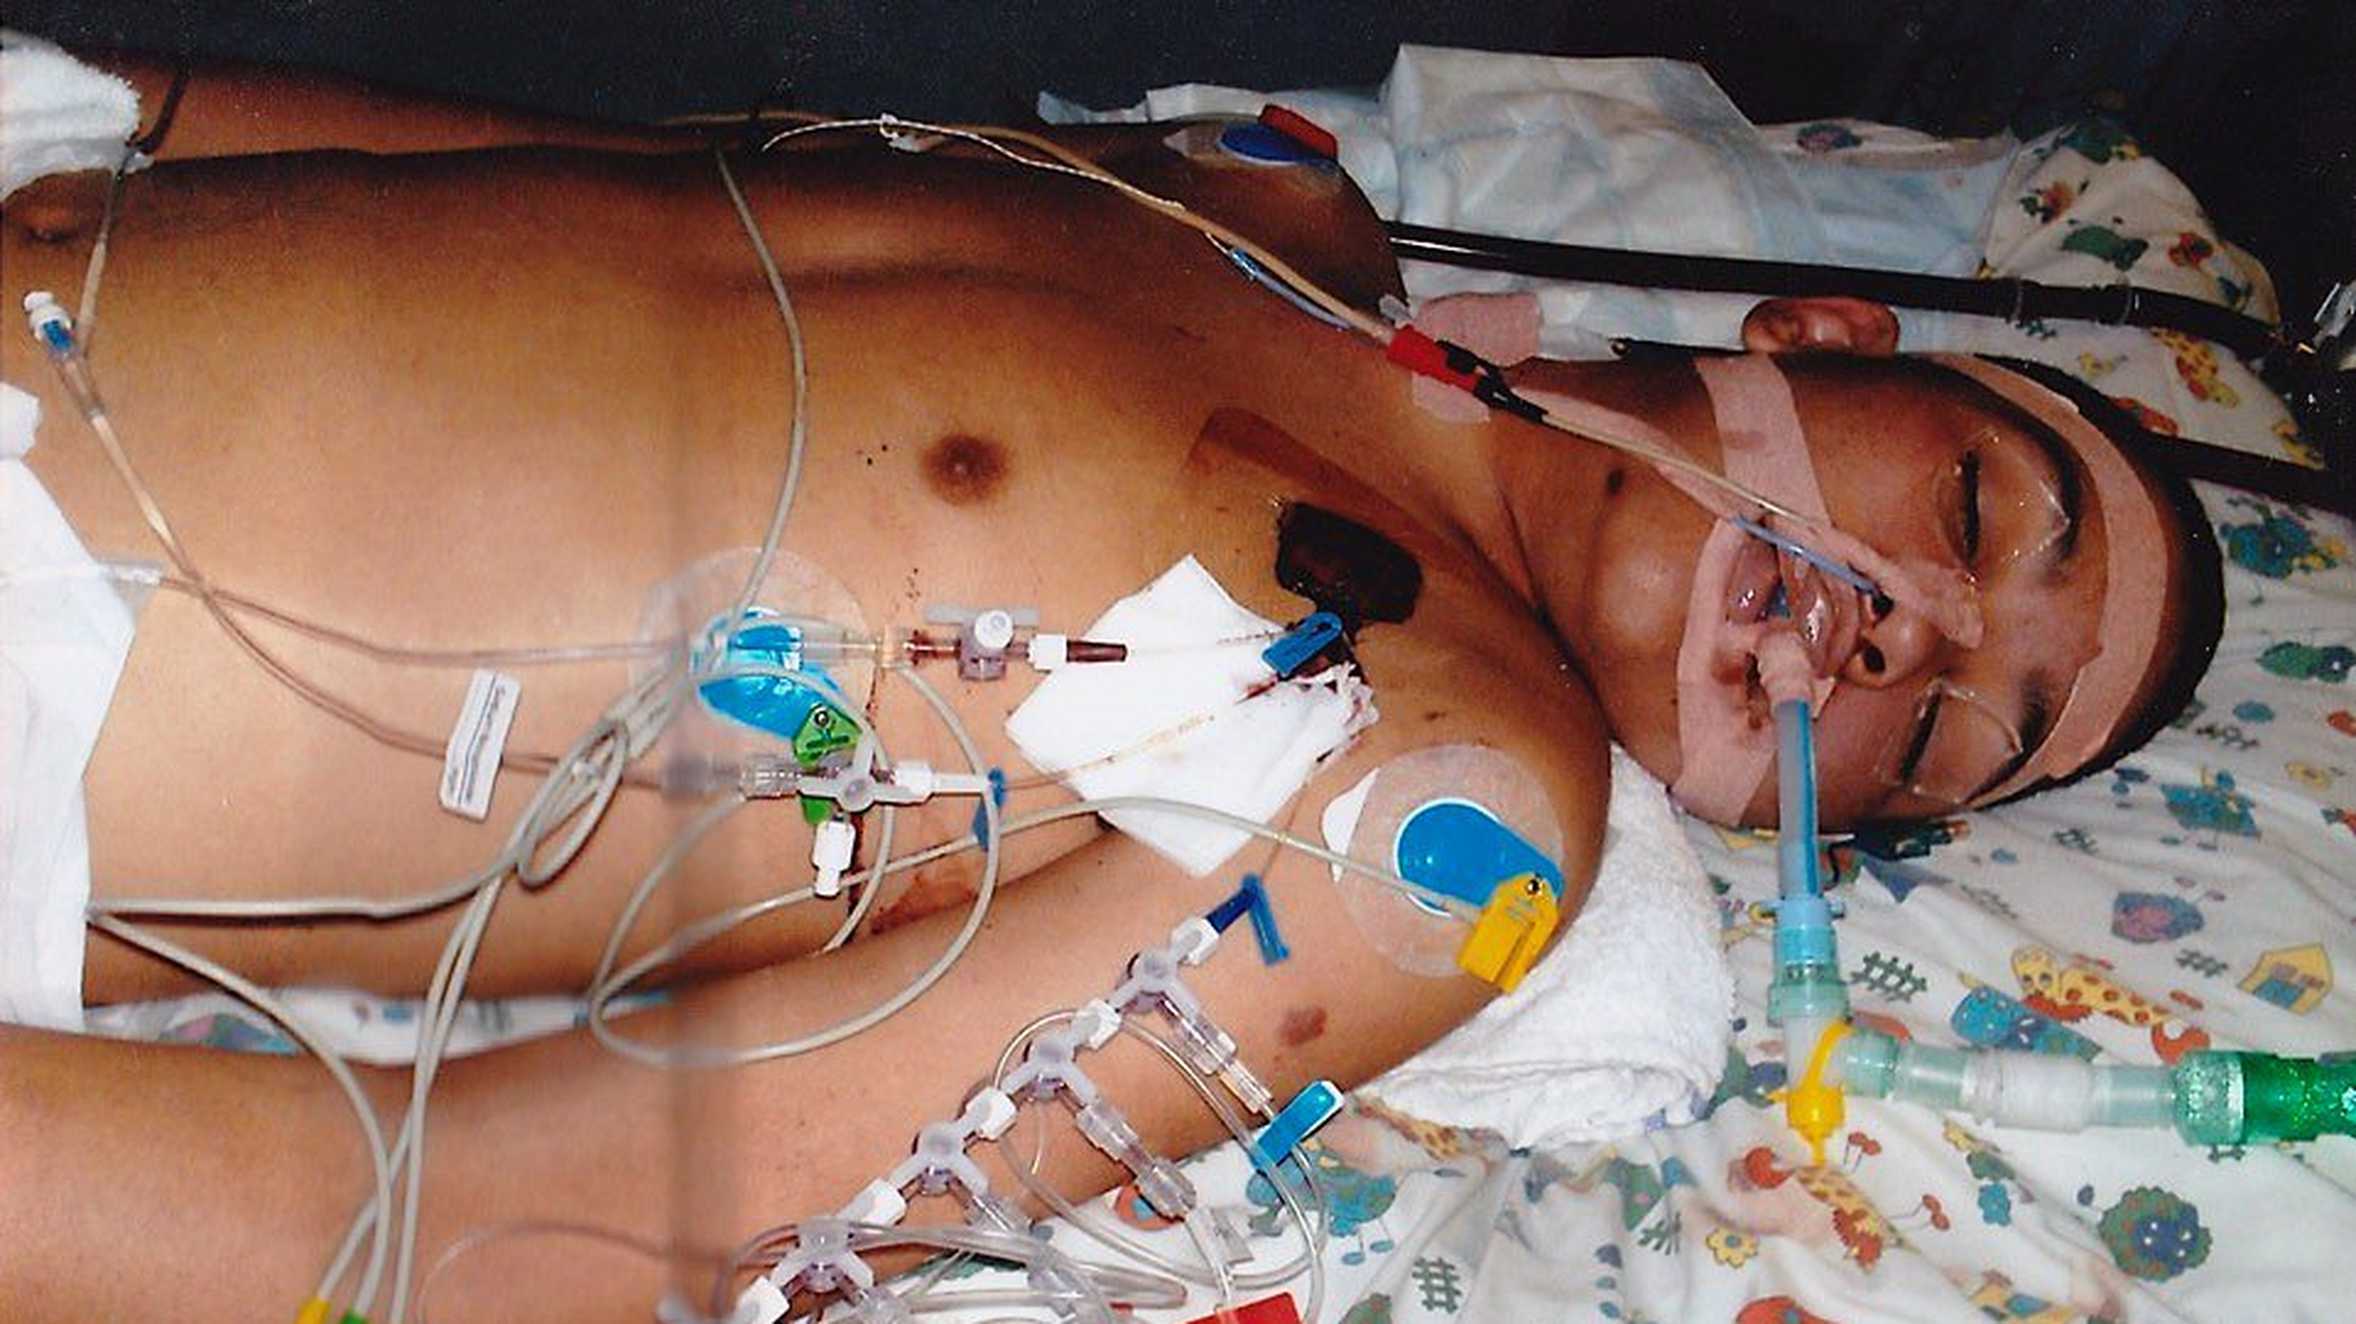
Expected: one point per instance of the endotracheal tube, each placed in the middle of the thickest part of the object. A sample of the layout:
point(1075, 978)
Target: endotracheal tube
point(2209, 1097)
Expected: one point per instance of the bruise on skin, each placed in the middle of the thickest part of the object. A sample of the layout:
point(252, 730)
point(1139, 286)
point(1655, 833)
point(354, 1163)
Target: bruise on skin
point(935, 888)
point(1301, 1025)
point(965, 470)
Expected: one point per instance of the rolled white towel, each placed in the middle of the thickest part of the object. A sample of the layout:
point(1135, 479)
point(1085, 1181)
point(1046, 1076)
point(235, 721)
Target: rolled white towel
point(1623, 1025)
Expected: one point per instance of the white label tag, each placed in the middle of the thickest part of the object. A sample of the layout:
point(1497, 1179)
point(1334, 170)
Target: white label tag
point(470, 765)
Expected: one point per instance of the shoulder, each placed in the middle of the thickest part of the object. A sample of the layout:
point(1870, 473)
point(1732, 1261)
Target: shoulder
point(1480, 705)
point(1312, 215)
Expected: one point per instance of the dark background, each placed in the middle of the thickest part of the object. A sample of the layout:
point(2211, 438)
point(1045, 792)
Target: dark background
point(2250, 100)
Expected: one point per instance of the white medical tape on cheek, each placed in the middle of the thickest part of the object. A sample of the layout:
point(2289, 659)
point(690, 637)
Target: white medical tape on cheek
point(1722, 757)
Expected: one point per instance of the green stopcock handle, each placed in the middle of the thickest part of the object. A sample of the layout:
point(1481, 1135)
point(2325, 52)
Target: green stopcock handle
point(2237, 1098)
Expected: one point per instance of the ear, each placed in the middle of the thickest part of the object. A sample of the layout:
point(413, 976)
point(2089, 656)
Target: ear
point(1836, 323)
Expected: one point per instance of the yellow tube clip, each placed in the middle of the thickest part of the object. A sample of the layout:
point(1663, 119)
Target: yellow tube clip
point(1812, 1107)
point(1513, 928)
point(314, 1311)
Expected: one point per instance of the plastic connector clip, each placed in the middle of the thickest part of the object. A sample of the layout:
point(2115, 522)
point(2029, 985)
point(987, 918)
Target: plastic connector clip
point(1251, 899)
point(1446, 361)
point(50, 323)
point(823, 1262)
point(984, 635)
point(1301, 129)
point(831, 847)
point(1317, 1103)
point(1813, 1106)
point(1158, 1180)
point(857, 786)
point(1051, 1065)
point(761, 1303)
point(940, 1165)
point(1302, 643)
point(1153, 982)
point(1511, 932)
point(1439, 360)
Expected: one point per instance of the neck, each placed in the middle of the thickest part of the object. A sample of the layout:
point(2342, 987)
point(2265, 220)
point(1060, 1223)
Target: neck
point(1547, 507)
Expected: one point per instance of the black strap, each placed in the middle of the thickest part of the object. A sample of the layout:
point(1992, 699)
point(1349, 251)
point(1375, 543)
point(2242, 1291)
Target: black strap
point(2012, 299)
point(147, 143)
point(2323, 489)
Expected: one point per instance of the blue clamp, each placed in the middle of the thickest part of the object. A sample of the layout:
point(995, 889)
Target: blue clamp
point(981, 819)
point(1252, 899)
point(1258, 142)
point(1317, 1103)
point(1312, 636)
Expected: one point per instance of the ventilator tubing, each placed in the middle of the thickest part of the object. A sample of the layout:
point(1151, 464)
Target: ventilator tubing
point(2210, 1098)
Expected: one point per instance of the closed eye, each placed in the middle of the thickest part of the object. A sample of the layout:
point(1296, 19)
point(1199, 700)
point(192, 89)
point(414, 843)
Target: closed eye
point(1920, 742)
point(1971, 507)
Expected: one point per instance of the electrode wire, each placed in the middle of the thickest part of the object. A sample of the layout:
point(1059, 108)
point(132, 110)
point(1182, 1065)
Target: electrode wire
point(1064, 161)
point(477, 1238)
point(696, 934)
point(238, 986)
point(603, 992)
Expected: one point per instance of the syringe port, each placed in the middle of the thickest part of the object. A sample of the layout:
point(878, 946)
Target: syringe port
point(50, 323)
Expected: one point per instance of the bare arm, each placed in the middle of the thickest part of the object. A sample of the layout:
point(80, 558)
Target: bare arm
point(214, 1185)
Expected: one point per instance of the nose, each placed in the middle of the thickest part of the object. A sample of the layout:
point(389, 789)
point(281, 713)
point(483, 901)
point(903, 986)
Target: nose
point(1895, 645)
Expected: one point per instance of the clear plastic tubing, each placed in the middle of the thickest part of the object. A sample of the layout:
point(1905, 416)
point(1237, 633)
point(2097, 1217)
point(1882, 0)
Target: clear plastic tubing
point(1795, 800)
point(2209, 1098)
point(1807, 995)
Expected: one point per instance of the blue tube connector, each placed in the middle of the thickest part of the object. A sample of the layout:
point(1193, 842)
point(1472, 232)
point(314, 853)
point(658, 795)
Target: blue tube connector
point(1808, 986)
point(1807, 1001)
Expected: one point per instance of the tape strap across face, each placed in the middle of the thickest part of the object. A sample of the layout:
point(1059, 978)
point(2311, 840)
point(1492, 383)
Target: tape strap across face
point(1722, 757)
point(2134, 592)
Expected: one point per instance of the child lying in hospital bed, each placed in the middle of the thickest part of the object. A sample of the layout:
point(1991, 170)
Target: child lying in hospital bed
point(485, 400)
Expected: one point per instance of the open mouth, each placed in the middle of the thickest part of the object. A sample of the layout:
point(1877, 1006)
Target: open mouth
point(1768, 591)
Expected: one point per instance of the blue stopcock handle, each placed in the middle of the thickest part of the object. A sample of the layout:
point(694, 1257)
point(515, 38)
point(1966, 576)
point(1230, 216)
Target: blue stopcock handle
point(1251, 899)
point(1304, 641)
point(1311, 1109)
